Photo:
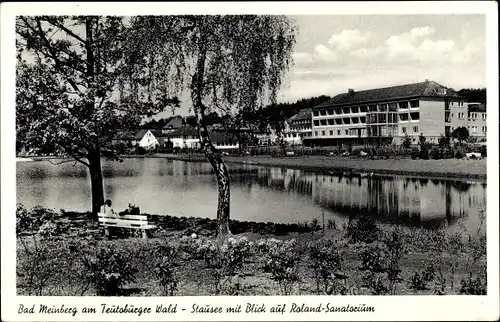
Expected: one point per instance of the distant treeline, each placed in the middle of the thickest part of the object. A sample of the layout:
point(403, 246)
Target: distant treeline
point(274, 114)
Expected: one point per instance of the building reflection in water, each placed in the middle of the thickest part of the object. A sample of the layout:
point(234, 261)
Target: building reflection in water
point(419, 202)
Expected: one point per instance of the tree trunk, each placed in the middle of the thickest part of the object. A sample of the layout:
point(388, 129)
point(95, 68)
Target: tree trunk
point(96, 182)
point(223, 188)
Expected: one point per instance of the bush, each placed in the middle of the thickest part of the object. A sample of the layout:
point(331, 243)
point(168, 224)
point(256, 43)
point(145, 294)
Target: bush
point(417, 282)
point(436, 153)
point(109, 270)
point(374, 257)
point(36, 266)
point(165, 256)
point(140, 150)
point(364, 229)
point(32, 221)
point(325, 260)
point(474, 286)
point(483, 151)
point(374, 282)
point(281, 260)
point(414, 153)
point(224, 258)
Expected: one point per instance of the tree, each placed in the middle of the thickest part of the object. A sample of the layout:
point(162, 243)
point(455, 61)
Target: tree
point(228, 64)
point(406, 141)
point(473, 94)
point(444, 141)
point(73, 89)
point(460, 133)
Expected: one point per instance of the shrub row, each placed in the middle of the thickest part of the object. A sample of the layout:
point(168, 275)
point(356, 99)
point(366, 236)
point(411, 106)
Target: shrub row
point(105, 267)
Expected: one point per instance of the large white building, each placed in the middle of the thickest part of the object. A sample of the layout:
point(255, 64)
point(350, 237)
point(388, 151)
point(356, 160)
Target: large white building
point(386, 115)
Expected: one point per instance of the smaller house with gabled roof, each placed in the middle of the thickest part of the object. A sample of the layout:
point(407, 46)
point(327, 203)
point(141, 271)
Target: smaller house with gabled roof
point(175, 123)
point(143, 138)
point(298, 127)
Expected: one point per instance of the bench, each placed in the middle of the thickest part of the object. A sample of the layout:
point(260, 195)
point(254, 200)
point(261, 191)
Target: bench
point(126, 221)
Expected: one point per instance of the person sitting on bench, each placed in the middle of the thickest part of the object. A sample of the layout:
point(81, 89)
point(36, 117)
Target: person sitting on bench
point(106, 208)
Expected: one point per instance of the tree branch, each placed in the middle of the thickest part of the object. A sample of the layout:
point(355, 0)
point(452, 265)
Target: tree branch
point(52, 54)
point(68, 31)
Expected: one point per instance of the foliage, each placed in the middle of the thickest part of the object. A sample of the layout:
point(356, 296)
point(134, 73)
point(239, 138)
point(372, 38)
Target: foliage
point(384, 257)
point(332, 224)
point(424, 147)
point(38, 220)
point(483, 151)
point(37, 268)
point(436, 153)
point(474, 285)
point(374, 257)
point(229, 65)
point(461, 133)
point(473, 94)
point(281, 260)
point(164, 268)
point(223, 257)
point(364, 230)
point(375, 283)
point(109, 270)
point(325, 260)
point(406, 141)
point(444, 141)
point(69, 72)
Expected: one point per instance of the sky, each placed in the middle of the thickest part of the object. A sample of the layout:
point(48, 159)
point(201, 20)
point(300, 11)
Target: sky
point(336, 52)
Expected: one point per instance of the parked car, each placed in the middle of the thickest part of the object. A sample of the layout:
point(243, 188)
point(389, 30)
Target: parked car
point(473, 155)
point(345, 154)
point(363, 153)
point(290, 153)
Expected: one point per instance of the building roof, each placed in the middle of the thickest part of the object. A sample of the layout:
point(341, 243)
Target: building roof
point(303, 114)
point(186, 130)
point(175, 122)
point(427, 88)
point(140, 134)
point(476, 107)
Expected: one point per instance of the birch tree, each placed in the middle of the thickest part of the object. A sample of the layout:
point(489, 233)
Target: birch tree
point(228, 64)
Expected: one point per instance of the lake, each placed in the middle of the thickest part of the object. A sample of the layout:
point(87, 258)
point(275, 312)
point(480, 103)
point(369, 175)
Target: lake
point(258, 193)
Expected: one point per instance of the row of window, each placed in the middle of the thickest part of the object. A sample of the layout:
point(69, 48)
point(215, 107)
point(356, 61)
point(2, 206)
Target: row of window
point(300, 128)
point(340, 121)
point(355, 132)
point(371, 119)
point(473, 129)
point(382, 107)
point(414, 129)
point(390, 130)
point(473, 116)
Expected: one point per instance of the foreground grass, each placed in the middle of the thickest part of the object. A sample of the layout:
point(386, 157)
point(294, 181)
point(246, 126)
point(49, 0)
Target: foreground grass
point(55, 260)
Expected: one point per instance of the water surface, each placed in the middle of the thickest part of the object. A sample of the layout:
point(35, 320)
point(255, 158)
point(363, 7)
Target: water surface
point(258, 193)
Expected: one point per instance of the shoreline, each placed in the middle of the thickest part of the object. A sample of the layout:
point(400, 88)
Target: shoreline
point(447, 168)
point(441, 169)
